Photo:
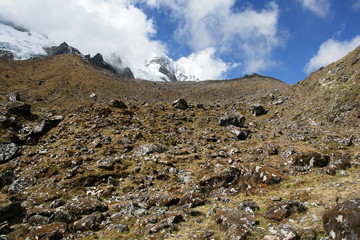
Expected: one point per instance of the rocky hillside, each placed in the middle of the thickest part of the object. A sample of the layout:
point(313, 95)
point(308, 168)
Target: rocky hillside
point(86, 154)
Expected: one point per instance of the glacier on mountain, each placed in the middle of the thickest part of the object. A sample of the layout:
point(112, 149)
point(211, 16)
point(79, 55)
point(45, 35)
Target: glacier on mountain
point(23, 44)
point(163, 69)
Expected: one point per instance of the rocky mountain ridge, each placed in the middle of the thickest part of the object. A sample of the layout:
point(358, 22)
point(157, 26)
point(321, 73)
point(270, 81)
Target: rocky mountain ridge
point(87, 154)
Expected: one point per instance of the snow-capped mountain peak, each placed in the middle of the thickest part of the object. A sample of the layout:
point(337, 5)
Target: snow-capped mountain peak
point(21, 45)
point(163, 68)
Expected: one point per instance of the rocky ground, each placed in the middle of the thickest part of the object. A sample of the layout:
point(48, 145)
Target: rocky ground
point(87, 155)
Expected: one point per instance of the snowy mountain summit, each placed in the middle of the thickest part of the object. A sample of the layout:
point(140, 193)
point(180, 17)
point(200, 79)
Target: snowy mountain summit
point(162, 68)
point(22, 44)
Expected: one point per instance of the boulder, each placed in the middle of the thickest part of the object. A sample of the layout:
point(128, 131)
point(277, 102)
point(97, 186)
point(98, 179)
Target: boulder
point(180, 104)
point(8, 151)
point(340, 162)
point(237, 223)
point(343, 221)
point(146, 149)
point(84, 206)
point(22, 183)
point(88, 222)
point(11, 211)
point(19, 109)
point(192, 199)
point(61, 215)
point(311, 159)
point(14, 97)
point(45, 126)
point(52, 231)
point(257, 110)
point(117, 104)
point(284, 209)
point(234, 119)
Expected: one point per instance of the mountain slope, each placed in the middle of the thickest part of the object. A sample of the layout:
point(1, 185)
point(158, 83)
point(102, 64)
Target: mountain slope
point(332, 93)
point(242, 159)
point(68, 80)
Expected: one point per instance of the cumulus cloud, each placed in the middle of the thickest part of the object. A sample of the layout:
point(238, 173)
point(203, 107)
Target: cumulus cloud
point(331, 51)
point(248, 34)
point(204, 64)
point(320, 7)
point(90, 25)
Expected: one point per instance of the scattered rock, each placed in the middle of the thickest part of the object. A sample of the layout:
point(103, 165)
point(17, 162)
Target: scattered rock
point(284, 209)
point(234, 119)
point(12, 211)
point(45, 126)
point(5, 228)
point(14, 97)
point(307, 234)
point(19, 109)
point(343, 221)
point(6, 178)
point(61, 215)
point(192, 199)
point(88, 222)
point(249, 204)
point(22, 183)
point(311, 159)
point(286, 231)
point(180, 104)
point(237, 223)
point(149, 149)
point(8, 151)
point(52, 231)
point(340, 162)
point(78, 206)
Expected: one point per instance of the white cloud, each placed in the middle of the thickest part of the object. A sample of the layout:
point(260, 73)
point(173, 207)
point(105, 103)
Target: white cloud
point(204, 64)
point(356, 5)
point(331, 51)
point(248, 34)
point(319, 7)
point(90, 25)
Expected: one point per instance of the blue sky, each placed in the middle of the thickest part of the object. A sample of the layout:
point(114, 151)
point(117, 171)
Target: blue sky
point(213, 39)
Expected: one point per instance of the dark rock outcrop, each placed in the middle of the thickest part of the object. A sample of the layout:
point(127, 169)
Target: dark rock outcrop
point(6, 54)
point(63, 48)
point(98, 61)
